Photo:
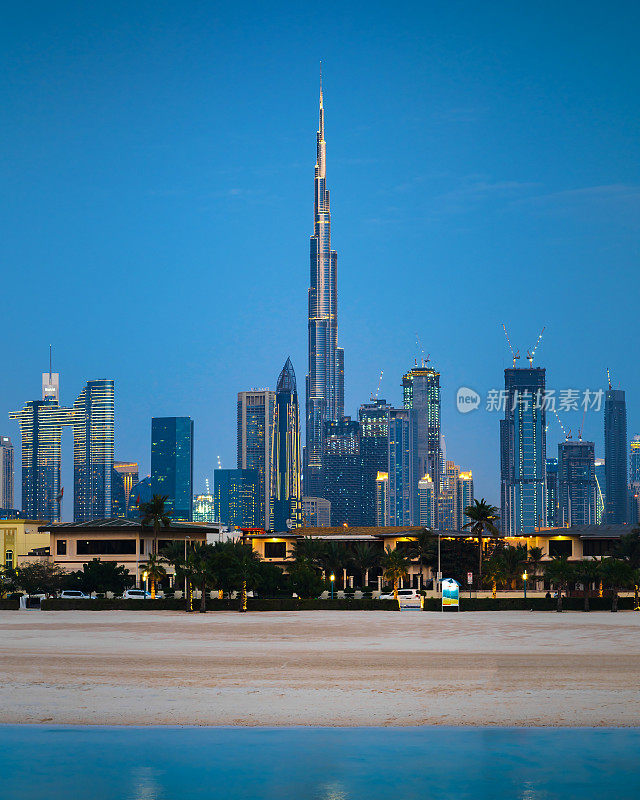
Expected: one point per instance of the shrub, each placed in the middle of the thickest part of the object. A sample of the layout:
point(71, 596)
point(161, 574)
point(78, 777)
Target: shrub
point(10, 603)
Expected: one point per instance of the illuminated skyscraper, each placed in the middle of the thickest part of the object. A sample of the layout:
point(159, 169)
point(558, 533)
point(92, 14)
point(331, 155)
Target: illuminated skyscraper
point(316, 512)
point(172, 463)
point(6, 473)
point(523, 452)
point(41, 423)
point(427, 494)
point(421, 392)
point(325, 380)
point(615, 456)
point(552, 493)
point(404, 503)
point(374, 452)
point(93, 439)
point(634, 460)
point(342, 472)
point(236, 497)
point(465, 496)
point(255, 428)
point(382, 499)
point(577, 489)
point(123, 479)
point(286, 494)
point(601, 489)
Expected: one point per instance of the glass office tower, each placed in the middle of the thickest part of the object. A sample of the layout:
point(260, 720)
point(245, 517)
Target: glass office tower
point(325, 380)
point(615, 456)
point(374, 452)
point(404, 502)
point(342, 472)
point(172, 463)
point(421, 392)
point(41, 423)
point(255, 428)
point(286, 494)
point(236, 497)
point(601, 490)
point(123, 478)
point(576, 483)
point(93, 441)
point(523, 452)
point(552, 493)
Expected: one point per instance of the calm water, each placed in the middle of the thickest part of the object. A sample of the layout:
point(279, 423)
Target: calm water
point(47, 763)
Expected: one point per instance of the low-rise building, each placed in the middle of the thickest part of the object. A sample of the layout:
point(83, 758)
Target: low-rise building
point(18, 539)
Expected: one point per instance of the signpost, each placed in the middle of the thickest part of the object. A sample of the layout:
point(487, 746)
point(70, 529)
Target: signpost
point(450, 594)
point(470, 582)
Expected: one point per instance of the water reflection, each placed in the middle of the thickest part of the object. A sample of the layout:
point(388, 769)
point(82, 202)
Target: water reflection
point(145, 785)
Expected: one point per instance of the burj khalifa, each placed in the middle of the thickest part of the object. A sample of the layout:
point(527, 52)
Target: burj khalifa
point(325, 380)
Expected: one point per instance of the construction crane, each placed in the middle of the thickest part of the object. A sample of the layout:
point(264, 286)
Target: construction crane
point(567, 435)
point(219, 463)
point(609, 378)
point(516, 353)
point(375, 396)
point(531, 354)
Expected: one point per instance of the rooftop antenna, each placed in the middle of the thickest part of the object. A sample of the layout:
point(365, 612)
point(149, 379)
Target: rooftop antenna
point(609, 378)
point(51, 362)
point(531, 354)
point(516, 353)
point(219, 463)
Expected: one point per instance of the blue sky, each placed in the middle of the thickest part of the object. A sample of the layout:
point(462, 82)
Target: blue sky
point(158, 198)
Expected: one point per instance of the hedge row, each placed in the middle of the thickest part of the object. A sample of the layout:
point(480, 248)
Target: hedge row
point(530, 604)
point(253, 604)
point(10, 604)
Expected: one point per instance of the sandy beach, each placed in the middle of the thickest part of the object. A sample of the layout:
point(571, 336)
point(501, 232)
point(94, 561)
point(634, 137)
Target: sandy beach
point(320, 668)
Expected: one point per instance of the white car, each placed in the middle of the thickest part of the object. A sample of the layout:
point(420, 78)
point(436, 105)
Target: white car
point(402, 593)
point(74, 594)
point(140, 594)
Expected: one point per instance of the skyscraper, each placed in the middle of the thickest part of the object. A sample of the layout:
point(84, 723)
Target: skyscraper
point(6, 472)
point(615, 456)
point(634, 460)
point(286, 494)
point(576, 483)
point(316, 512)
point(601, 490)
point(421, 392)
point(427, 494)
point(523, 451)
point(382, 499)
point(374, 452)
point(465, 496)
point(140, 493)
point(93, 441)
point(255, 429)
point(552, 493)
point(404, 503)
point(342, 471)
point(172, 463)
point(123, 479)
point(41, 423)
point(236, 496)
point(325, 380)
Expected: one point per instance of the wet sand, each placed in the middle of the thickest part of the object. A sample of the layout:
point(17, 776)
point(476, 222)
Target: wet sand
point(320, 668)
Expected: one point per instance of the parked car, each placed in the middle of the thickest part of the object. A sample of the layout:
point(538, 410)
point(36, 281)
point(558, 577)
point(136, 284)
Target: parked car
point(408, 593)
point(74, 594)
point(140, 594)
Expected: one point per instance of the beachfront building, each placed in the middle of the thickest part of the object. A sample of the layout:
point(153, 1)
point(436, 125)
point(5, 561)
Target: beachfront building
point(20, 541)
point(124, 541)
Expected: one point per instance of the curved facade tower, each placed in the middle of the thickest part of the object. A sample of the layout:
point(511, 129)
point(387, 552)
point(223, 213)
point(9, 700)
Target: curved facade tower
point(286, 497)
point(325, 381)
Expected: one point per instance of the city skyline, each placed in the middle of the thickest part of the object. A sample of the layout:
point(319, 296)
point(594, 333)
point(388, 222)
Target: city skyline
point(558, 218)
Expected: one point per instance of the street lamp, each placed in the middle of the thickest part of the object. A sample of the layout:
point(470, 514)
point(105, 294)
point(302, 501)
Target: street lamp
point(332, 578)
point(524, 578)
point(145, 575)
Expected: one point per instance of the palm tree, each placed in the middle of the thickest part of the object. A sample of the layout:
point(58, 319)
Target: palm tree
point(334, 558)
point(629, 549)
point(587, 572)
point(560, 572)
point(309, 551)
point(247, 562)
point(155, 572)
point(200, 567)
point(155, 515)
point(394, 567)
point(364, 557)
point(425, 549)
point(515, 558)
point(482, 517)
point(534, 559)
point(496, 570)
point(616, 574)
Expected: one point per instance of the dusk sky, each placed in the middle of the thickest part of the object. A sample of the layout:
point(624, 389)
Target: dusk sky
point(157, 172)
